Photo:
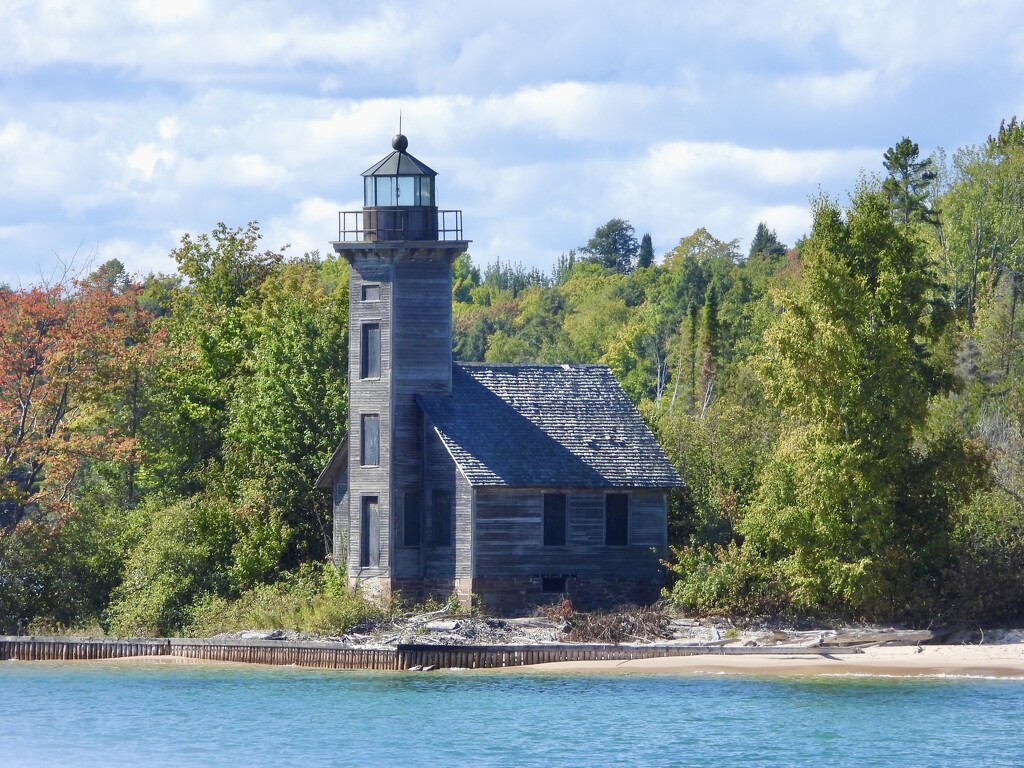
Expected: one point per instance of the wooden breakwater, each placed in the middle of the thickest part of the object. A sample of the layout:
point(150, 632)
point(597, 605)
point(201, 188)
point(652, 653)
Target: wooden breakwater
point(335, 656)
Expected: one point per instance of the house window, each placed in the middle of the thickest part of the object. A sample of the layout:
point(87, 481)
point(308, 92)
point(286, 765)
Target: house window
point(411, 531)
point(616, 520)
point(442, 519)
point(369, 534)
point(369, 357)
point(369, 440)
point(554, 520)
point(371, 292)
point(553, 585)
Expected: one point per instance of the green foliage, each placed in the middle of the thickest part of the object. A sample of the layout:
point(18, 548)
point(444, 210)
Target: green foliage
point(839, 507)
point(766, 242)
point(60, 573)
point(645, 256)
point(311, 599)
point(908, 185)
point(178, 552)
point(613, 246)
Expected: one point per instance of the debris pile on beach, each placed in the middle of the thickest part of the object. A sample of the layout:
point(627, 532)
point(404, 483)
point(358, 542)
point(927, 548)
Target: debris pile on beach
point(625, 626)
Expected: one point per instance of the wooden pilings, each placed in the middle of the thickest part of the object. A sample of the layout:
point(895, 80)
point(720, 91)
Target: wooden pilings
point(335, 656)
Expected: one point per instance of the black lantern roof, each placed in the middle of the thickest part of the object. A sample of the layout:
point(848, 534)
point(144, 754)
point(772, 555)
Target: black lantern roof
point(399, 162)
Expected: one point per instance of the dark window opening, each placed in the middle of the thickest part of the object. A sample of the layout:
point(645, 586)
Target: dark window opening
point(552, 585)
point(616, 520)
point(411, 532)
point(369, 440)
point(371, 293)
point(554, 520)
point(369, 357)
point(369, 534)
point(442, 519)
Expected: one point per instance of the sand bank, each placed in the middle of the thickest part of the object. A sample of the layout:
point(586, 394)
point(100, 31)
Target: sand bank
point(1006, 660)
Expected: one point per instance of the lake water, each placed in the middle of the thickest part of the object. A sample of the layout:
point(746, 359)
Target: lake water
point(84, 714)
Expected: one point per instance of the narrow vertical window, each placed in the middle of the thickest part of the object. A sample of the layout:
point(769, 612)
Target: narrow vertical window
point(369, 358)
point(369, 440)
point(616, 520)
point(369, 534)
point(554, 519)
point(411, 519)
point(442, 518)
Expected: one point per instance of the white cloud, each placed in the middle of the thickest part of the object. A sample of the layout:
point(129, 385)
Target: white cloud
point(144, 158)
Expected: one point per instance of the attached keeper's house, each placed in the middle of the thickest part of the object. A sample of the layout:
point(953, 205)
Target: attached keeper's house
point(514, 483)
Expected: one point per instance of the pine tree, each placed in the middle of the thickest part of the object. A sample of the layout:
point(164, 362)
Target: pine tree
point(645, 257)
point(909, 183)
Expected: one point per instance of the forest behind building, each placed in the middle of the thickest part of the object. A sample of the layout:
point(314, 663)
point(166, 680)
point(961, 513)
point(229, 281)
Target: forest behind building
point(847, 411)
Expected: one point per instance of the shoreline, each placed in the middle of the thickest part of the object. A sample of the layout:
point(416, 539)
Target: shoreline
point(975, 661)
point(1003, 661)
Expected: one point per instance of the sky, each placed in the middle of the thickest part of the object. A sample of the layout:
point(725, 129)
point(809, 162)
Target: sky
point(124, 125)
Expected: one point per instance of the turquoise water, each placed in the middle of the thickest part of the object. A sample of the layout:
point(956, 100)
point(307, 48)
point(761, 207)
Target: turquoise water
point(104, 715)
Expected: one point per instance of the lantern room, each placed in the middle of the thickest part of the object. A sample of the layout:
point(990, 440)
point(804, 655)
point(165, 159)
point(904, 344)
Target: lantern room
point(399, 197)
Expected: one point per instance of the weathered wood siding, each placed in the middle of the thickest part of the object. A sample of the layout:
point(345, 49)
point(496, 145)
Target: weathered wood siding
point(342, 522)
point(441, 474)
point(422, 362)
point(370, 396)
point(509, 535)
point(414, 313)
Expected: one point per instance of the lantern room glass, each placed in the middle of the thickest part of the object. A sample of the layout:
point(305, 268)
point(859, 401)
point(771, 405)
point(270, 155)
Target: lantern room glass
point(391, 191)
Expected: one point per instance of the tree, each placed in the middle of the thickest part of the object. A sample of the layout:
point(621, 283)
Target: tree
point(709, 345)
point(645, 257)
point(613, 246)
point(855, 506)
point(766, 242)
point(909, 183)
point(70, 358)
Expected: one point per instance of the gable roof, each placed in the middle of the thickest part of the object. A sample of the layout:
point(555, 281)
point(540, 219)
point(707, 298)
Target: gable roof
point(568, 426)
point(334, 466)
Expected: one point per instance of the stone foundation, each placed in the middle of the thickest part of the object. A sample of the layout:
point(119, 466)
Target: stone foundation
point(518, 596)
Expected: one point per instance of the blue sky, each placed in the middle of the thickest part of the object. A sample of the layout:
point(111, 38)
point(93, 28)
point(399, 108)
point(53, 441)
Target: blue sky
point(124, 125)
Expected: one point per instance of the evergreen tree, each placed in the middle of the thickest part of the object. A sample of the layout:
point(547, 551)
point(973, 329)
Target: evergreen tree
point(908, 185)
point(710, 340)
point(766, 242)
point(645, 257)
point(613, 246)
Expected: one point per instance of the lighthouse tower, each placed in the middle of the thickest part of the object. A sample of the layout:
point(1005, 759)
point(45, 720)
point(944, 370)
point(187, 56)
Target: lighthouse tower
point(400, 247)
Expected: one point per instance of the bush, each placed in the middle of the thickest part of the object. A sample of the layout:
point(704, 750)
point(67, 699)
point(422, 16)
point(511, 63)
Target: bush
point(726, 580)
point(313, 599)
point(178, 554)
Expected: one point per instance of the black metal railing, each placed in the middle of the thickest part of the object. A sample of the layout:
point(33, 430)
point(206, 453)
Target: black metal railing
point(377, 225)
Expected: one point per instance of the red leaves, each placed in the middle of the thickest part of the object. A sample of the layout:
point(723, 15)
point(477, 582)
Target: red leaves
point(68, 360)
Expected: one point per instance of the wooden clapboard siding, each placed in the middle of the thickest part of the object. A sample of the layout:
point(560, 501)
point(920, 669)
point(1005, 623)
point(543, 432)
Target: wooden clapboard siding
point(648, 520)
point(464, 525)
point(422, 362)
point(509, 535)
point(439, 474)
point(370, 396)
point(341, 519)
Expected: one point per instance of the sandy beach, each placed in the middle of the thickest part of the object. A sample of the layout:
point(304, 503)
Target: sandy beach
point(1003, 660)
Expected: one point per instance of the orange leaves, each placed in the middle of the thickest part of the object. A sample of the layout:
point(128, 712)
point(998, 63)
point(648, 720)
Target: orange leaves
point(69, 358)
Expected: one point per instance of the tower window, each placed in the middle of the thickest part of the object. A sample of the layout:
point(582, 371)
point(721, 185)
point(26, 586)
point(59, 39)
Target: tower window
point(554, 519)
point(369, 533)
point(369, 440)
point(369, 353)
point(371, 292)
point(616, 520)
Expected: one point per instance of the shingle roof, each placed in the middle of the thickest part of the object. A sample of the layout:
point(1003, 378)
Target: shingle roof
point(566, 426)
